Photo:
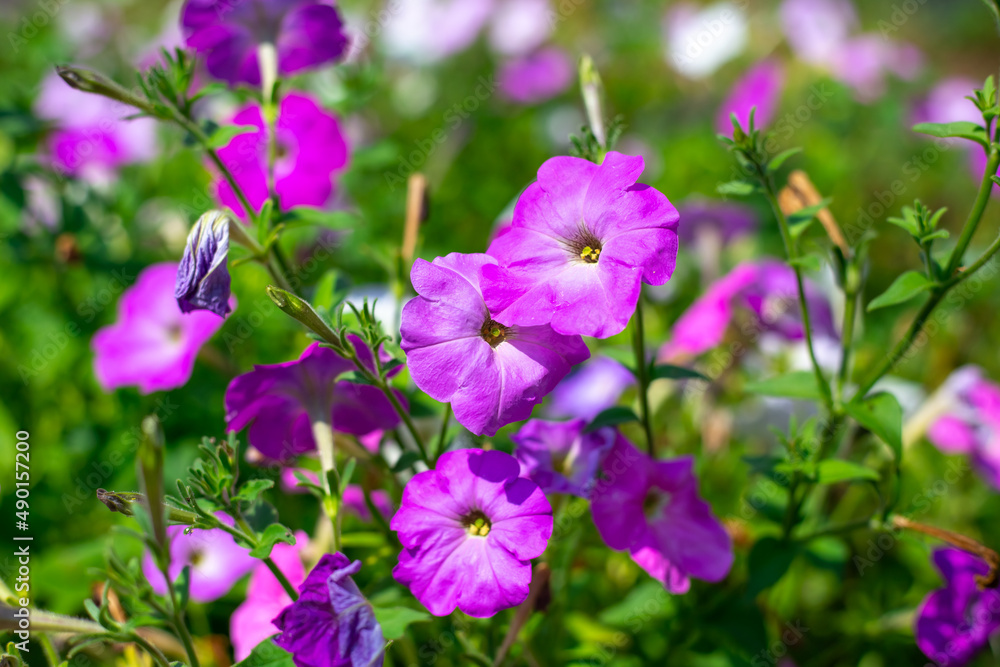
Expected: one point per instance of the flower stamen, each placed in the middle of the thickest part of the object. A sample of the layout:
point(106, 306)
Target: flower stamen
point(493, 332)
point(477, 524)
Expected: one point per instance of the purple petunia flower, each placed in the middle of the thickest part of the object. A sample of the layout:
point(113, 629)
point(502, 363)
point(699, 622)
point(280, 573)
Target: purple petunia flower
point(589, 389)
point(583, 240)
point(767, 290)
point(652, 509)
point(280, 401)
point(491, 371)
point(153, 344)
point(331, 623)
point(469, 529)
point(560, 457)
point(305, 34)
point(216, 561)
point(972, 427)
point(252, 622)
point(202, 277)
point(90, 138)
point(954, 623)
point(727, 221)
point(536, 77)
point(759, 87)
point(311, 148)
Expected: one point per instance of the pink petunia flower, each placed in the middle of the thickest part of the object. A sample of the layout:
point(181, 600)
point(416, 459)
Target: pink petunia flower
point(311, 148)
point(583, 240)
point(536, 77)
point(560, 457)
point(972, 427)
point(760, 87)
point(469, 529)
point(652, 509)
point(153, 344)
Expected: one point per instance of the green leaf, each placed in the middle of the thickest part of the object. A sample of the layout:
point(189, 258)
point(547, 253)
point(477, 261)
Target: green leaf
point(737, 188)
point(405, 461)
point(266, 654)
point(224, 134)
point(808, 213)
point(909, 223)
point(902, 289)
point(308, 215)
point(881, 415)
point(962, 129)
point(811, 263)
point(799, 384)
point(670, 372)
point(251, 491)
point(395, 619)
point(937, 234)
point(832, 471)
point(612, 417)
point(780, 158)
point(768, 562)
point(272, 535)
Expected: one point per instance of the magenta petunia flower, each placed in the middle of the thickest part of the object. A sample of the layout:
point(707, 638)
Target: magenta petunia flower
point(589, 389)
point(560, 457)
point(652, 509)
point(760, 87)
point(305, 34)
point(583, 240)
point(469, 529)
point(90, 138)
point(536, 77)
point(955, 623)
point(216, 561)
point(153, 344)
point(311, 148)
point(491, 371)
point(331, 623)
point(252, 622)
point(280, 400)
point(972, 426)
point(767, 291)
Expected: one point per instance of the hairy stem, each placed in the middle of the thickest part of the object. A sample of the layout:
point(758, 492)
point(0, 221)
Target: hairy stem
point(642, 373)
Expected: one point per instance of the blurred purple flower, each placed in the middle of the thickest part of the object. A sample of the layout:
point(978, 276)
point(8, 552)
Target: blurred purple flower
point(726, 220)
point(153, 344)
point(469, 529)
point(536, 77)
point(955, 623)
point(252, 622)
point(584, 239)
point(426, 31)
point(760, 87)
point(560, 457)
point(353, 498)
point(816, 29)
point(216, 561)
point(652, 509)
point(279, 401)
point(202, 277)
point(972, 426)
point(492, 373)
point(90, 139)
point(518, 27)
point(310, 149)
point(305, 34)
point(590, 388)
point(863, 62)
point(767, 290)
point(331, 623)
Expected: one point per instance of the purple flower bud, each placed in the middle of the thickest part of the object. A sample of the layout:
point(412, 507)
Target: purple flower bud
point(202, 276)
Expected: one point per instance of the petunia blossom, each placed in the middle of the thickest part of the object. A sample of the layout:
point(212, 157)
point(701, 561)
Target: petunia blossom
point(305, 34)
point(331, 623)
point(725, 221)
point(972, 424)
point(252, 622)
point(956, 622)
point(560, 457)
point(469, 529)
point(536, 77)
point(90, 137)
point(760, 88)
point(311, 148)
point(203, 281)
point(583, 240)
point(216, 561)
point(279, 402)
point(652, 509)
point(592, 387)
point(492, 371)
point(153, 344)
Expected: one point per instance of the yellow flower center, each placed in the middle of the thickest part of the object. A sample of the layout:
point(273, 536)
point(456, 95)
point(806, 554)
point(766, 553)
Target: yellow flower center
point(477, 524)
point(493, 332)
point(590, 255)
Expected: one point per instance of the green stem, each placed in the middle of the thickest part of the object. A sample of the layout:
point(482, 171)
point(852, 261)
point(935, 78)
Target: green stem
point(642, 373)
point(323, 434)
point(248, 534)
point(51, 655)
point(154, 653)
point(282, 579)
point(407, 420)
point(443, 434)
point(847, 339)
point(976, 214)
point(836, 530)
